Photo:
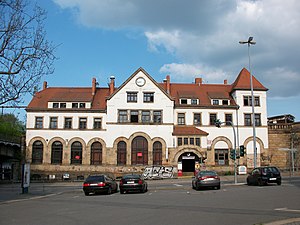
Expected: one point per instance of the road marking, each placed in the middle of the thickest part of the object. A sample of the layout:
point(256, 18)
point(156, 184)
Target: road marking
point(288, 210)
point(178, 185)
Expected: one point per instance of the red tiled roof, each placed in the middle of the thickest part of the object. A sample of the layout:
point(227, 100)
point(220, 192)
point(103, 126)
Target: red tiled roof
point(188, 130)
point(41, 99)
point(242, 82)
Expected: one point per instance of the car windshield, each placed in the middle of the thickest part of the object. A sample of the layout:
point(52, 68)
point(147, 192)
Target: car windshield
point(207, 173)
point(95, 179)
point(131, 176)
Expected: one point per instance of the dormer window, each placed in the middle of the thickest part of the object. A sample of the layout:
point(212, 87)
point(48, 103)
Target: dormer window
point(194, 101)
point(55, 105)
point(75, 105)
point(225, 102)
point(183, 101)
point(63, 105)
point(215, 101)
point(81, 105)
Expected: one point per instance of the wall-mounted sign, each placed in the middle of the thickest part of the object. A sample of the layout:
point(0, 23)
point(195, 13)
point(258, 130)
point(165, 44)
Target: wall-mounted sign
point(139, 154)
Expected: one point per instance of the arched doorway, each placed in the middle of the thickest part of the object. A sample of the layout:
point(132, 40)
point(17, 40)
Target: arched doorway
point(139, 151)
point(188, 162)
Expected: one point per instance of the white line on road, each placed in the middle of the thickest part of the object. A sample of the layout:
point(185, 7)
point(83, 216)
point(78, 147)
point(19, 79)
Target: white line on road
point(288, 210)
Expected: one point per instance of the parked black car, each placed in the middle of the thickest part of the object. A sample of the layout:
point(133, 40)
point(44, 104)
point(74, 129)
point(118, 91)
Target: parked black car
point(133, 183)
point(264, 175)
point(206, 179)
point(99, 183)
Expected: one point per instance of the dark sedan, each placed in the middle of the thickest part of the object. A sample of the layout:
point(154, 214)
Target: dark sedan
point(206, 179)
point(264, 175)
point(133, 183)
point(99, 184)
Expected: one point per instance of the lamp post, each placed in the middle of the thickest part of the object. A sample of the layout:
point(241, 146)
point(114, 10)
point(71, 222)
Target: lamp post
point(251, 42)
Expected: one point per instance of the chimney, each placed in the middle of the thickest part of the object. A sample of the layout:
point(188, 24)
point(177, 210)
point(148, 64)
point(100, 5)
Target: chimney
point(167, 83)
point(112, 85)
point(198, 81)
point(45, 85)
point(94, 86)
point(225, 81)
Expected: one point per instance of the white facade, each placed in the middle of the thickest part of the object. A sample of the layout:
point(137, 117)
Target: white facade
point(208, 144)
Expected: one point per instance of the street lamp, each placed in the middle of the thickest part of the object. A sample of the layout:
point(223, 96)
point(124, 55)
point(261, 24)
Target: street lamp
point(251, 42)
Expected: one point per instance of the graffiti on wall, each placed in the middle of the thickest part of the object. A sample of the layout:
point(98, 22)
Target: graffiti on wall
point(159, 172)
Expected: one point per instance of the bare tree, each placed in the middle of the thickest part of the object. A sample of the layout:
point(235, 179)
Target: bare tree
point(25, 54)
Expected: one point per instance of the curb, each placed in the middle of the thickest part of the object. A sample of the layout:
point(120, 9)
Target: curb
point(291, 221)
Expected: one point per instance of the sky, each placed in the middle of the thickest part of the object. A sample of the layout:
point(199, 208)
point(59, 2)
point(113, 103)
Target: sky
point(183, 39)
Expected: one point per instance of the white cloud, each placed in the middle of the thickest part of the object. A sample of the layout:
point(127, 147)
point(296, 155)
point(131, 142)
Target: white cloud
point(204, 35)
point(185, 72)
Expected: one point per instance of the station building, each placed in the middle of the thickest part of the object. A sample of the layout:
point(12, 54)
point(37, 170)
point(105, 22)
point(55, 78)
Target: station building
point(142, 123)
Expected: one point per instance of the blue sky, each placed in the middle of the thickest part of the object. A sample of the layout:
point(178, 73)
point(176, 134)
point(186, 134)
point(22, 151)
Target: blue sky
point(185, 39)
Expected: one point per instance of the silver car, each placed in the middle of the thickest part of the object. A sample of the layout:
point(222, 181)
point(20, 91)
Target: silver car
point(206, 179)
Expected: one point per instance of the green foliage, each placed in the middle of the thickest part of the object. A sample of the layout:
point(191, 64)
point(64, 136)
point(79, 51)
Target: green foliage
point(10, 127)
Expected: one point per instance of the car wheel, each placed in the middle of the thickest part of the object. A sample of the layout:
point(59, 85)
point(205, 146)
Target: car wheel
point(122, 192)
point(109, 191)
point(218, 187)
point(279, 182)
point(193, 186)
point(86, 193)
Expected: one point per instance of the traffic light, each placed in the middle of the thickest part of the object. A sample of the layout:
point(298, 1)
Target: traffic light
point(232, 154)
point(218, 123)
point(242, 150)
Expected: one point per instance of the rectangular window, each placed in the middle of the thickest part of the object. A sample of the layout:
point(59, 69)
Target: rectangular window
point(179, 141)
point(194, 101)
point(39, 122)
point(257, 120)
point(123, 116)
point(62, 105)
point(82, 105)
point(134, 116)
point(53, 123)
point(221, 157)
point(149, 97)
point(181, 119)
point(157, 117)
point(183, 101)
point(256, 101)
point(185, 141)
point(197, 119)
point(68, 123)
point(212, 118)
point(198, 142)
point(192, 141)
point(248, 101)
point(74, 105)
point(131, 96)
point(97, 123)
point(55, 105)
point(215, 102)
point(225, 102)
point(228, 119)
point(247, 121)
point(82, 123)
point(145, 116)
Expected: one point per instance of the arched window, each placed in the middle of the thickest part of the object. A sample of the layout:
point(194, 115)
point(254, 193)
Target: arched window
point(76, 153)
point(121, 153)
point(56, 152)
point(96, 153)
point(157, 153)
point(37, 152)
point(139, 151)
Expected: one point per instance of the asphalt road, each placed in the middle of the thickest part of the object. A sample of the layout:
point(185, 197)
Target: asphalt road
point(167, 202)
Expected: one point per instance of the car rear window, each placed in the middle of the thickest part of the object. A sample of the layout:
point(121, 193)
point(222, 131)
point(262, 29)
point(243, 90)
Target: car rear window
point(207, 173)
point(270, 170)
point(95, 178)
point(131, 176)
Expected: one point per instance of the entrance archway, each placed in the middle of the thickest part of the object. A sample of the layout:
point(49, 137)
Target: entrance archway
point(189, 162)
